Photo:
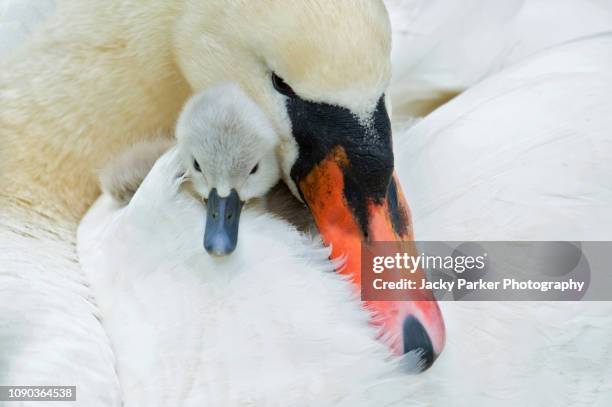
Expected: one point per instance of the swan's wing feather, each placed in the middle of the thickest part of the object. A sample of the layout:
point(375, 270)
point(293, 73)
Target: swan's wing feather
point(442, 47)
point(523, 155)
point(195, 329)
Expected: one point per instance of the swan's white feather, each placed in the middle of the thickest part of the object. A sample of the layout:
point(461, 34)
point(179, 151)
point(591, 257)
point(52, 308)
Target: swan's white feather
point(523, 155)
point(441, 47)
point(50, 333)
point(270, 325)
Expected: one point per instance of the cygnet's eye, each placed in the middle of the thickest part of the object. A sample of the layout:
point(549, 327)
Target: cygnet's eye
point(196, 165)
point(254, 170)
point(281, 86)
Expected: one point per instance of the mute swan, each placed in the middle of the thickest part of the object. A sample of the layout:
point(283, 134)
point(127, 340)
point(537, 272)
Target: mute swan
point(85, 101)
point(323, 90)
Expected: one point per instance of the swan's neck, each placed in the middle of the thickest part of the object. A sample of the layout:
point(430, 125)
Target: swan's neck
point(74, 97)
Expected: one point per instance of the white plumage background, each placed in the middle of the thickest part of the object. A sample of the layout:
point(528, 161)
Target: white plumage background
point(523, 153)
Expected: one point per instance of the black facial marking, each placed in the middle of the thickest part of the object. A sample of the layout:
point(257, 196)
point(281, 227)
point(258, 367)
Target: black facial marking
point(318, 128)
point(398, 217)
point(281, 86)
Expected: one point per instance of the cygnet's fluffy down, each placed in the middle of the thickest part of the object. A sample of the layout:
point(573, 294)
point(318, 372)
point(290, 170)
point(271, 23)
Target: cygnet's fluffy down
point(225, 143)
point(122, 176)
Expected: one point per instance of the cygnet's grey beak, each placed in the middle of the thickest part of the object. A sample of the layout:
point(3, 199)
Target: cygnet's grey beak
point(222, 221)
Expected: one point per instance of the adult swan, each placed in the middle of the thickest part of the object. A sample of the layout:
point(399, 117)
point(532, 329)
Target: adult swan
point(103, 74)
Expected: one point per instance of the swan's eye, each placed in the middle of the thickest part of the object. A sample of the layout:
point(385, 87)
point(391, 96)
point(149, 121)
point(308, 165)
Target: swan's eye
point(196, 165)
point(281, 86)
point(254, 170)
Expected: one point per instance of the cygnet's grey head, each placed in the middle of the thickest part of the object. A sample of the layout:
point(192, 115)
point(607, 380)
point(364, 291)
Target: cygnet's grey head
point(228, 148)
point(227, 142)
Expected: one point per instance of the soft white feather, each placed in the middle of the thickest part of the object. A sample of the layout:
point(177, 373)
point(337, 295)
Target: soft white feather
point(270, 325)
point(442, 47)
point(50, 333)
point(523, 155)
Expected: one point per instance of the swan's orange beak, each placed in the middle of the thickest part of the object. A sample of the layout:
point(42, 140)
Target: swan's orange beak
point(345, 175)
